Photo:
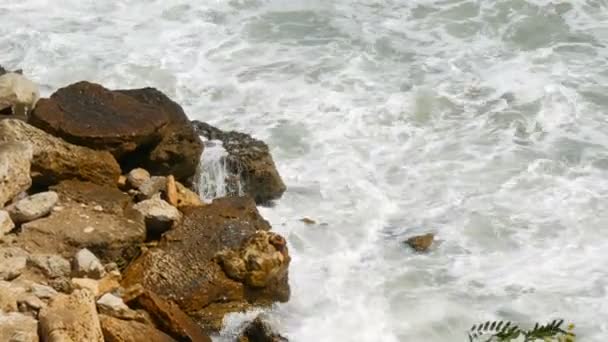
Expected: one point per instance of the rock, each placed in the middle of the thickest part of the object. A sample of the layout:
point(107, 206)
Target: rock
point(160, 216)
point(308, 221)
point(262, 259)
point(122, 182)
point(55, 160)
point(71, 318)
point(15, 159)
point(87, 284)
point(187, 197)
point(8, 296)
point(18, 93)
point(30, 303)
point(111, 303)
point(109, 283)
point(140, 127)
point(53, 266)
point(137, 177)
point(87, 265)
point(171, 191)
point(43, 291)
point(13, 261)
point(17, 327)
point(260, 331)
point(249, 158)
point(6, 224)
point(182, 266)
point(113, 235)
point(167, 315)
point(421, 243)
point(152, 187)
point(117, 330)
point(33, 207)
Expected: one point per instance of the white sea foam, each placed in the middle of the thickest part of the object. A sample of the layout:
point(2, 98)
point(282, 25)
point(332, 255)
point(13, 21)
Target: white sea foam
point(482, 121)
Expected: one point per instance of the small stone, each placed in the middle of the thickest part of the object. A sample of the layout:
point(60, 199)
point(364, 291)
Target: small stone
point(33, 207)
point(58, 208)
point(159, 215)
point(54, 266)
point(31, 302)
point(86, 264)
point(421, 243)
point(152, 187)
point(11, 267)
point(122, 182)
point(308, 221)
point(137, 177)
point(88, 229)
point(112, 266)
point(259, 330)
point(110, 303)
point(43, 291)
point(17, 327)
point(90, 285)
point(171, 191)
point(98, 208)
point(109, 283)
point(6, 224)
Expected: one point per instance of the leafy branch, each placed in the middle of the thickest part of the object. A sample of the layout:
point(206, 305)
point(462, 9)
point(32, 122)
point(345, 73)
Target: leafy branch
point(505, 331)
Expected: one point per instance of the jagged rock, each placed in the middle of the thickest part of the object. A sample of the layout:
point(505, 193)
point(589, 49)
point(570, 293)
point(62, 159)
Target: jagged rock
point(421, 243)
point(262, 259)
point(187, 197)
point(30, 303)
point(182, 268)
point(113, 235)
point(249, 158)
point(13, 261)
point(15, 159)
point(140, 127)
point(43, 291)
point(152, 187)
point(87, 284)
point(171, 191)
point(137, 177)
point(55, 160)
point(260, 331)
point(111, 303)
point(17, 327)
point(167, 315)
point(160, 216)
point(86, 264)
point(18, 93)
point(6, 224)
point(122, 182)
point(33, 207)
point(71, 318)
point(110, 282)
point(53, 266)
point(117, 330)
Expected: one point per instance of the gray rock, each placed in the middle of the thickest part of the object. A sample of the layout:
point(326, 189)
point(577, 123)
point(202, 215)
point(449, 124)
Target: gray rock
point(15, 161)
point(31, 302)
point(137, 177)
point(110, 303)
point(54, 266)
point(43, 291)
point(86, 264)
point(6, 224)
point(159, 215)
point(33, 207)
point(17, 327)
point(71, 318)
point(152, 187)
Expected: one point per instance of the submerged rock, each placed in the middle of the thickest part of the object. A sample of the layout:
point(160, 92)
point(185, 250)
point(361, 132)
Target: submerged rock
point(250, 159)
point(140, 127)
point(421, 243)
point(15, 159)
point(260, 331)
point(55, 160)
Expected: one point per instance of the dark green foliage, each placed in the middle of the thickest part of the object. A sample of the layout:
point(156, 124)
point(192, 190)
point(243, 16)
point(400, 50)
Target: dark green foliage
point(505, 331)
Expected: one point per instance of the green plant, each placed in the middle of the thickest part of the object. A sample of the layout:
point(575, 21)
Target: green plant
point(505, 331)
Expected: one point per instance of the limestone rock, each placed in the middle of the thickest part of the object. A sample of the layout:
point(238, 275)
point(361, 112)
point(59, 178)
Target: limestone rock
point(250, 159)
point(87, 284)
point(117, 330)
point(260, 331)
point(13, 261)
point(137, 177)
point(53, 266)
point(152, 186)
point(43, 291)
point(167, 315)
point(18, 93)
point(421, 243)
point(9, 295)
point(187, 197)
point(15, 159)
point(139, 127)
point(111, 303)
point(33, 207)
point(71, 318)
point(17, 327)
point(86, 264)
point(55, 160)
point(160, 216)
point(6, 224)
point(171, 191)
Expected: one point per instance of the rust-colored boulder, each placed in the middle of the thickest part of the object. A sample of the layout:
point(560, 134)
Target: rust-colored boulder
point(90, 216)
point(421, 243)
point(167, 315)
point(183, 268)
point(249, 159)
point(117, 330)
point(140, 127)
point(55, 160)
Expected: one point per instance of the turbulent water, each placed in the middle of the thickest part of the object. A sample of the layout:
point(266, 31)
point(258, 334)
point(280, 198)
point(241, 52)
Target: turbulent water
point(484, 122)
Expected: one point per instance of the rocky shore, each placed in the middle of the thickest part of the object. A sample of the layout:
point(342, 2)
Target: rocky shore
point(103, 236)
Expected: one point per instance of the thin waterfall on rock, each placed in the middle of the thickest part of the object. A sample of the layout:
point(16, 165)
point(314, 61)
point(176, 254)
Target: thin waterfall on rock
point(215, 177)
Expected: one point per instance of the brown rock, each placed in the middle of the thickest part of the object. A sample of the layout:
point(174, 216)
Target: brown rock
point(187, 197)
point(168, 316)
point(15, 161)
point(140, 127)
point(308, 221)
point(171, 191)
point(250, 159)
point(71, 318)
point(137, 177)
point(260, 331)
point(117, 330)
point(17, 327)
point(55, 160)
point(421, 243)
